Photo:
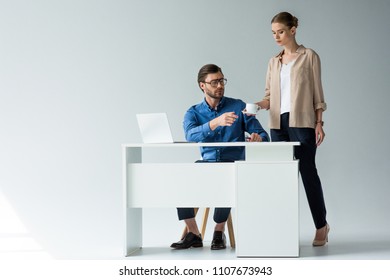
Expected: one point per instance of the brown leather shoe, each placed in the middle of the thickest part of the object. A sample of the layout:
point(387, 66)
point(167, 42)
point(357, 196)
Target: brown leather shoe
point(190, 240)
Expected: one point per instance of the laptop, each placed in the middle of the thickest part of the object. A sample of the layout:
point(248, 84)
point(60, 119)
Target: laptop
point(154, 128)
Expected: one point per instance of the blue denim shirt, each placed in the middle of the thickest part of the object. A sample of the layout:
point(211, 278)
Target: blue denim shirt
point(197, 129)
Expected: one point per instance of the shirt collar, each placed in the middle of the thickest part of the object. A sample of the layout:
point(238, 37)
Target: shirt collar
point(301, 50)
point(220, 104)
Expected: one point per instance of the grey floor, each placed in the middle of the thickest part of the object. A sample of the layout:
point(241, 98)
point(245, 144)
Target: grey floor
point(341, 249)
point(346, 242)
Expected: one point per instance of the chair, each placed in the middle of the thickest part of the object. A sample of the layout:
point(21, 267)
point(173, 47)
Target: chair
point(229, 223)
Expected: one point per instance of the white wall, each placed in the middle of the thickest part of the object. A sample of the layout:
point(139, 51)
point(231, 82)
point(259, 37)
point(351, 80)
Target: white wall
point(74, 73)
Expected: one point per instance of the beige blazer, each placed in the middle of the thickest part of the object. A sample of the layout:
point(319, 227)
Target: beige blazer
point(306, 89)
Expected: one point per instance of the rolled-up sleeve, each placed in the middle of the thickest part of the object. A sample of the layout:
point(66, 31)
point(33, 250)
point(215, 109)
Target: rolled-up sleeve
point(319, 102)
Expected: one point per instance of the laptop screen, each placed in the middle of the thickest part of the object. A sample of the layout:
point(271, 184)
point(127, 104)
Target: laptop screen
point(154, 128)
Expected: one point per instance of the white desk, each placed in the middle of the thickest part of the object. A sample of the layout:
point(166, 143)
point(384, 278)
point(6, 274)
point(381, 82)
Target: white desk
point(263, 188)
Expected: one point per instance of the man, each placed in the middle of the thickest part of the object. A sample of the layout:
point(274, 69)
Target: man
point(216, 119)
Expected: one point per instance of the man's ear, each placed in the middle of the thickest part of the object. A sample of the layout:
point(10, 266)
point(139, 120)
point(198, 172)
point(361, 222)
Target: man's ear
point(202, 86)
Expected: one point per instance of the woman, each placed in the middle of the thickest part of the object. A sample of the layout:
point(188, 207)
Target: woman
point(295, 100)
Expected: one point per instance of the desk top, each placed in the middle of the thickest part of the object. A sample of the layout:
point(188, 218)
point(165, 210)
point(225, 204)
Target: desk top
point(211, 144)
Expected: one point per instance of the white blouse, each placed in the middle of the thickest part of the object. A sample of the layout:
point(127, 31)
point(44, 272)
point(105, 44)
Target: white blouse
point(285, 90)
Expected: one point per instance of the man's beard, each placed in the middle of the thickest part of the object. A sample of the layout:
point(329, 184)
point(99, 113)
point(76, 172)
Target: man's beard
point(218, 95)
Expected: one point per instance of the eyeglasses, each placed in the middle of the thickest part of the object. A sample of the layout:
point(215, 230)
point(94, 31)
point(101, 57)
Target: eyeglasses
point(214, 83)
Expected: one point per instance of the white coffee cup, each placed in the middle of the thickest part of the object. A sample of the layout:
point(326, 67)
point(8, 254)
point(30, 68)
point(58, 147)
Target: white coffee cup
point(252, 108)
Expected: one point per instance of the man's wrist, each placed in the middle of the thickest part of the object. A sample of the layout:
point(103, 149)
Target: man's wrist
point(320, 122)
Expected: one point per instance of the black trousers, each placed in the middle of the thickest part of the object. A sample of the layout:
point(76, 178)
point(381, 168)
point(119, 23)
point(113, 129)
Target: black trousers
point(220, 214)
point(305, 153)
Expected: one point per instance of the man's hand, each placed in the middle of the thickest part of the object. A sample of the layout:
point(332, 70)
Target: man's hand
point(254, 137)
point(226, 119)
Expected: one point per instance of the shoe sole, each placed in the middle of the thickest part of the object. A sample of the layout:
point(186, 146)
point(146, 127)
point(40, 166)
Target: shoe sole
point(192, 246)
point(218, 248)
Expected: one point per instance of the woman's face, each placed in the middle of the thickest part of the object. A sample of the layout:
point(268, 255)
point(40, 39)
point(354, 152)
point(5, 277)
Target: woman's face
point(282, 33)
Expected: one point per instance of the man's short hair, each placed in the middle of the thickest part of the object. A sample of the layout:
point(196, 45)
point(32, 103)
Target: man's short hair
point(207, 69)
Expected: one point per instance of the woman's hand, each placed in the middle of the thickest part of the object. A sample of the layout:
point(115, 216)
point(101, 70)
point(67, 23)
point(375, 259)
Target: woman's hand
point(320, 134)
point(263, 104)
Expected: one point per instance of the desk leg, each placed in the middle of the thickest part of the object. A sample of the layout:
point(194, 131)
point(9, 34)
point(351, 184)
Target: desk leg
point(133, 216)
point(133, 231)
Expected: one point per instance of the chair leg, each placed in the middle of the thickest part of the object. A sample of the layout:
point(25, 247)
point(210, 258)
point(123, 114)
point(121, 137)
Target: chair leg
point(231, 231)
point(204, 222)
point(185, 231)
